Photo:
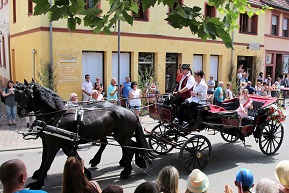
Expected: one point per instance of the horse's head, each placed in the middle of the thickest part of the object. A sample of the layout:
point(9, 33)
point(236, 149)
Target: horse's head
point(24, 98)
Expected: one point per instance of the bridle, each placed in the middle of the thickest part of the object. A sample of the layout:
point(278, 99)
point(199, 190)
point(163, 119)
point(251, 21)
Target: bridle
point(25, 110)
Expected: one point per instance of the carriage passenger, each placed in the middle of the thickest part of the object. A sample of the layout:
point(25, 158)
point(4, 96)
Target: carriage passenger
point(94, 95)
point(245, 104)
point(186, 84)
point(188, 107)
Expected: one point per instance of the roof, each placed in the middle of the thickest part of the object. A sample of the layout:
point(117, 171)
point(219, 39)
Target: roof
point(281, 4)
point(255, 2)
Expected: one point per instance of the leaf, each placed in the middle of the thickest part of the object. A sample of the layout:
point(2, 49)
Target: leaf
point(170, 3)
point(41, 7)
point(61, 2)
point(148, 3)
point(134, 7)
point(71, 24)
point(127, 17)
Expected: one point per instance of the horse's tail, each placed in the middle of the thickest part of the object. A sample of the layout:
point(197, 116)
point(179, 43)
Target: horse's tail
point(142, 143)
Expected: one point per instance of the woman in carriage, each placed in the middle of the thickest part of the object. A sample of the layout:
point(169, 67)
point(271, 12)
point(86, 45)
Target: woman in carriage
point(245, 104)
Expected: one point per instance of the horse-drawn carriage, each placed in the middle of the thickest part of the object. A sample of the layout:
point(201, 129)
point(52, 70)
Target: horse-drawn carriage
point(264, 123)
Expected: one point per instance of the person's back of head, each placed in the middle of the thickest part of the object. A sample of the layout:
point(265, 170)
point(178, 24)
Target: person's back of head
point(147, 187)
point(197, 182)
point(13, 175)
point(266, 185)
point(168, 179)
point(282, 173)
point(73, 178)
point(112, 189)
point(244, 179)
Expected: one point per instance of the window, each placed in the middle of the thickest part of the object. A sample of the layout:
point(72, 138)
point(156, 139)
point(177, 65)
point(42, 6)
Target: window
point(4, 54)
point(285, 27)
point(90, 4)
point(248, 24)
point(141, 15)
point(275, 25)
point(171, 68)
point(14, 11)
point(30, 7)
point(210, 11)
point(145, 64)
point(214, 66)
point(197, 62)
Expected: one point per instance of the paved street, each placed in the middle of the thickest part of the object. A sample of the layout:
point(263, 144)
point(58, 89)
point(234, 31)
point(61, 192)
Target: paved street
point(221, 169)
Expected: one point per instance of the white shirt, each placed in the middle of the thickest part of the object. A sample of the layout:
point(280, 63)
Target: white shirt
point(239, 76)
point(230, 94)
point(87, 86)
point(100, 97)
point(136, 101)
point(190, 82)
point(200, 88)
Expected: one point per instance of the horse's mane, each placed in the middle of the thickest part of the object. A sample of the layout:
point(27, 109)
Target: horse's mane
point(49, 97)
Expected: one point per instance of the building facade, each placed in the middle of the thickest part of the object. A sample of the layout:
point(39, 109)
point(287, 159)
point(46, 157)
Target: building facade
point(5, 72)
point(151, 44)
point(277, 38)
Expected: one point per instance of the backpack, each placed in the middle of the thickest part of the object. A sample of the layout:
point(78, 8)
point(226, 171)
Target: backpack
point(2, 97)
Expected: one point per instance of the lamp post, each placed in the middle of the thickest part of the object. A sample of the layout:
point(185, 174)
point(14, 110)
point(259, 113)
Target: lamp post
point(118, 58)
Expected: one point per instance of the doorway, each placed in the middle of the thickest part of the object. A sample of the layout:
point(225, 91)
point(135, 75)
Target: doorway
point(247, 62)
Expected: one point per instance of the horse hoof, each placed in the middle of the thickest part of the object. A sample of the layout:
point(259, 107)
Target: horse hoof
point(124, 175)
point(93, 162)
point(35, 185)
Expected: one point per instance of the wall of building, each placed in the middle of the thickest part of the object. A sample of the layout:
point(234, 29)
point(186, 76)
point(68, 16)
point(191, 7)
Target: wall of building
point(4, 33)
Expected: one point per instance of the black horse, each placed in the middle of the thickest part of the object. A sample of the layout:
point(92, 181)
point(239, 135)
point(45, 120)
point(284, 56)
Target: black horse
point(114, 121)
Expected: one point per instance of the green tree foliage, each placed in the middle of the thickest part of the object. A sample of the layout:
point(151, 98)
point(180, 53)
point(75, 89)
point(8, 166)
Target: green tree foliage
point(47, 77)
point(181, 15)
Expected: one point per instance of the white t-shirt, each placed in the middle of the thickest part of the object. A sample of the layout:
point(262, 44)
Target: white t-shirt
point(230, 94)
point(87, 86)
point(136, 94)
point(100, 97)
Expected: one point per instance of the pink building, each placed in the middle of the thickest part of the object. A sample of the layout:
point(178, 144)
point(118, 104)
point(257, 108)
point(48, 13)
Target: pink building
point(276, 38)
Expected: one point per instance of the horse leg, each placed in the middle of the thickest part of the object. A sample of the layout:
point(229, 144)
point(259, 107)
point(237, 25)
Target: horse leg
point(51, 153)
point(129, 152)
point(37, 173)
point(123, 160)
point(139, 160)
point(96, 159)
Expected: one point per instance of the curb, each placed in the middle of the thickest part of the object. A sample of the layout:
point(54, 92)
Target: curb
point(19, 148)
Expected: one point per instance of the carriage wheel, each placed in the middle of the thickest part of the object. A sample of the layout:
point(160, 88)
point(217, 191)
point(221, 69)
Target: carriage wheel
point(161, 140)
point(195, 153)
point(229, 138)
point(271, 137)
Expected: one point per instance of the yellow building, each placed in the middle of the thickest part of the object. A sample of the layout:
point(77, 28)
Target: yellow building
point(150, 42)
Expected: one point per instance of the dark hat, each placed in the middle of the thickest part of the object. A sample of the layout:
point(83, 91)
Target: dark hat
point(261, 73)
point(186, 66)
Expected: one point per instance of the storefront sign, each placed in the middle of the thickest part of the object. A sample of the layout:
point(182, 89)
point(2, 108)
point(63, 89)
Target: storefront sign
point(68, 66)
point(254, 46)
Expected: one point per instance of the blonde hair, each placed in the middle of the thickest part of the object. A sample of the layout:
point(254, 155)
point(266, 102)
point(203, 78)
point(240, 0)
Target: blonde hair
point(243, 84)
point(168, 180)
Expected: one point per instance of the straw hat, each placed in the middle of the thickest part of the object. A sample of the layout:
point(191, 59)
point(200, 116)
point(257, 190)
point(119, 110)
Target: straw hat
point(282, 173)
point(197, 181)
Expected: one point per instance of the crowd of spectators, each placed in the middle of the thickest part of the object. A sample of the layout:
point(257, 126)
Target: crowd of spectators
point(13, 176)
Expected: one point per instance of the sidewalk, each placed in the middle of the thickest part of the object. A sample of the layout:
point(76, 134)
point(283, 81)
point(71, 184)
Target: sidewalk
point(10, 139)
